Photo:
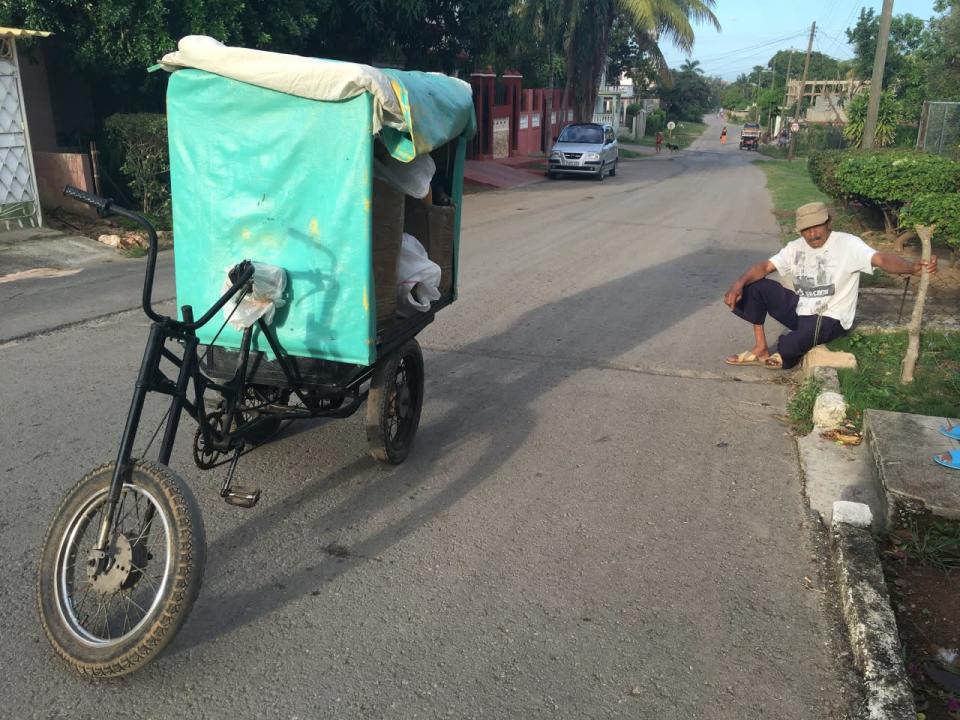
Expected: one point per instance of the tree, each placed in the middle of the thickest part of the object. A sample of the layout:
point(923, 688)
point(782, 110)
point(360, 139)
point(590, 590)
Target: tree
point(588, 37)
point(690, 97)
point(942, 53)
point(112, 42)
point(905, 69)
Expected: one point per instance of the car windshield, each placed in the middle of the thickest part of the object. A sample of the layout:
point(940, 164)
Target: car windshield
point(581, 134)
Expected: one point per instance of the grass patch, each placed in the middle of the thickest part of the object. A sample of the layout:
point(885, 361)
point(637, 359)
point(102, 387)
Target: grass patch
point(790, 187)
point(932, 542)
point(800, 407)
point(134, 251)
point(935, 389)
point(630, 154)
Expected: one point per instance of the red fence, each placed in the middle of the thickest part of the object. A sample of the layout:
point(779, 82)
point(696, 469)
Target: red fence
point(524, 122)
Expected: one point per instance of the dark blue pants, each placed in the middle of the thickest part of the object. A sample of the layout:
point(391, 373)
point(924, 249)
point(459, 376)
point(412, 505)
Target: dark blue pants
point(768, 297)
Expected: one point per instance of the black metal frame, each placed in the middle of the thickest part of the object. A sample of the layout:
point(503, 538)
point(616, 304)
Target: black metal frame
point(324, 397)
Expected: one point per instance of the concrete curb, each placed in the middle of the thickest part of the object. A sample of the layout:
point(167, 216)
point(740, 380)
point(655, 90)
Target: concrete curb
point(870, 621)
point(848, 473)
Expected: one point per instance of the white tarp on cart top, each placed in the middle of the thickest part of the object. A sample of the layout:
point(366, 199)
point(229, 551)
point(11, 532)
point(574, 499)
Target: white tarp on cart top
point(416, 111)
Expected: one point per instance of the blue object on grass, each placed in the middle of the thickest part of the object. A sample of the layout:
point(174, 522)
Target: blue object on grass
point(953, 431)
point(953, 462)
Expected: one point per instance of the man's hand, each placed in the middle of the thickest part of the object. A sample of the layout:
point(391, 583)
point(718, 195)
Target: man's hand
point(733, 295)
point(931, 266)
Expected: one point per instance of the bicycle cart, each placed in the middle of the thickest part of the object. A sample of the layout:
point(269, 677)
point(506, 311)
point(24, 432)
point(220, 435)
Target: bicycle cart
point(288, 174)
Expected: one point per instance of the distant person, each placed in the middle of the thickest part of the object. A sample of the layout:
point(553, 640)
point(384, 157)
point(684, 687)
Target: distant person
point(825, 266)
point(658, 140)
point(723, 135)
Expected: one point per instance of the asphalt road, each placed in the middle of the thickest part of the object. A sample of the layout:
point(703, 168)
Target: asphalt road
point(599, 519)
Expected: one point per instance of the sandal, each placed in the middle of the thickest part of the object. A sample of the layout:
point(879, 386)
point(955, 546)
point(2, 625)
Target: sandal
point(774, 362)
point(745, 358)
point(950, 459)
point(950, 430)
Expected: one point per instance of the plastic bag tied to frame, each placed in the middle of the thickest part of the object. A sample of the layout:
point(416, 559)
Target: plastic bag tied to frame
point(262, 301)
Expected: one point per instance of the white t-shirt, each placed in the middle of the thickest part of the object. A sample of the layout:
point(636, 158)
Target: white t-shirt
point(827, 279)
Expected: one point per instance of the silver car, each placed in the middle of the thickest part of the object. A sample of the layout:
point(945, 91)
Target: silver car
point(585, 149)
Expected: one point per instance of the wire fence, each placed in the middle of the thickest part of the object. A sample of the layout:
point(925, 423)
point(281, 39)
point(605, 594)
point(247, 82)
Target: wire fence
point(940, 128)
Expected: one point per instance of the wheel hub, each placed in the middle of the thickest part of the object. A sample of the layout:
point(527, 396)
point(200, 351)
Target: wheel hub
point(127, 561)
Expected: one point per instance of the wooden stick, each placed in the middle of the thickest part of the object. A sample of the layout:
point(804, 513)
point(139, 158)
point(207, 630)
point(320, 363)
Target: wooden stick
point(913, 328)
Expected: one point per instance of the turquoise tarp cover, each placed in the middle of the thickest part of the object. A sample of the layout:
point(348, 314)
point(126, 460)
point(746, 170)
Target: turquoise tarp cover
point(265, 176)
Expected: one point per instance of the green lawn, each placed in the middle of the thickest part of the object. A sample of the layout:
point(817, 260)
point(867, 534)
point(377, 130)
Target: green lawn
point(790, 187)
point(876, 383)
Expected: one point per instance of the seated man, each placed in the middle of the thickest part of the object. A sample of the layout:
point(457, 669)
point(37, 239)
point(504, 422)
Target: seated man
point(825, 267)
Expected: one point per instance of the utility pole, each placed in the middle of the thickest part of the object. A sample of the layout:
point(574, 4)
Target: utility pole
point(803, 85)
point(876, 83)
point(786, 85)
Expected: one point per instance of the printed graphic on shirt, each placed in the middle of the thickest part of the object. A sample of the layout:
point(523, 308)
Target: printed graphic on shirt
point(813, 275)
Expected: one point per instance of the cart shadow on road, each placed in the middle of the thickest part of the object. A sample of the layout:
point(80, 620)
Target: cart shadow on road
point(489, 401)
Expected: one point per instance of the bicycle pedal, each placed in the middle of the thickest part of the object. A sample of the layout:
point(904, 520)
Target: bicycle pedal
point(242, 497)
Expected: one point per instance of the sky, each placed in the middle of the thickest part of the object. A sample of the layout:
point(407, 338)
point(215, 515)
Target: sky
point(752, 31)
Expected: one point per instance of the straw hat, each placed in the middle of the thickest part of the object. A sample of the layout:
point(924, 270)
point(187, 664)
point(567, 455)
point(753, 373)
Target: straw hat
point(810, 215)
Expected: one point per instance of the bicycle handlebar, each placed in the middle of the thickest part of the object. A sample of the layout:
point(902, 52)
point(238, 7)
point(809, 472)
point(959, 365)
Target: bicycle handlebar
point(101, 204)
point(240, 274)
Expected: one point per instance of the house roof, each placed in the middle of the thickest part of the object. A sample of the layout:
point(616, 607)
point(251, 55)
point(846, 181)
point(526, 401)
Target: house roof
point(22, 33)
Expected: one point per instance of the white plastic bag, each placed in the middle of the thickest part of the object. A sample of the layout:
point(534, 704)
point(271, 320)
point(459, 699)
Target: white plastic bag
point(269, 282)
point(412, 178)
point(418, 278)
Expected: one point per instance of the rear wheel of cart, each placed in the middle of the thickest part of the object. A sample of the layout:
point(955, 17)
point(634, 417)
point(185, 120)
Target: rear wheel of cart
point(394, 404)
point(110, 622)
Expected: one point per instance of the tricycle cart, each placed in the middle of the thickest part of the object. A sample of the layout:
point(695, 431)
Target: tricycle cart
point(750, 136)
point(273, 174)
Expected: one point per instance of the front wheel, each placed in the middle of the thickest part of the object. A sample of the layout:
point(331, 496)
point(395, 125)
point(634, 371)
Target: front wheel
point(111, 622)
point(613, 170)
point(394, 404)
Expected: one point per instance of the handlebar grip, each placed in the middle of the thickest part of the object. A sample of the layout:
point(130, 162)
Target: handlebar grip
point(101, 204)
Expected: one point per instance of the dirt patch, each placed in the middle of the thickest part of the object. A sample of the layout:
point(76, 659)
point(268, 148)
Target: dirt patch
point(926, 602)
point(123, 234)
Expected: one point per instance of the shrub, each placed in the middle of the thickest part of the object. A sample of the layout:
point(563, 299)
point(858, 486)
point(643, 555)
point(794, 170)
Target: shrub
point(822, 166)
point(888, 118)
point(141, 139)
point(656, 122)
point(888, 180)
point(936, 209)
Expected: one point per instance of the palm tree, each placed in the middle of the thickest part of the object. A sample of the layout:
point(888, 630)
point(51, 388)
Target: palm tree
point(691, 67)
point(588, 25)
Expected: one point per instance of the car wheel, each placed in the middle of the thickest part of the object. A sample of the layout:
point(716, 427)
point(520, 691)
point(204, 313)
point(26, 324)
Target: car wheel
point(613, 170)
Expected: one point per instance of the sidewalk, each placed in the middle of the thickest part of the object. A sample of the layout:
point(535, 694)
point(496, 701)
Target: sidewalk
point(503, 173)
point(44, 249)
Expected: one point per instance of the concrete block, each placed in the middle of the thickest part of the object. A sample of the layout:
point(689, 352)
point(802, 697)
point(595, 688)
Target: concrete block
point(852, 513)
point(820, 356)
point(871, 625)
point(829, 411)
point(840, 472)
point(903, 446)
point(827, 377)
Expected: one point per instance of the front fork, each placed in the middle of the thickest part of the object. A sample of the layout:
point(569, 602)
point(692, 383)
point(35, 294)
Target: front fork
point(150, 379)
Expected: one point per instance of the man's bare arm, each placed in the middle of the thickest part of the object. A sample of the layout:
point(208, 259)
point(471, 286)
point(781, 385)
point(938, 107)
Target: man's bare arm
point(755, 272)
point(896, 265)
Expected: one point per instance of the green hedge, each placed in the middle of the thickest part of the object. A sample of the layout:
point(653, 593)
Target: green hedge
point(942, 210)
point(822, 166)
point(888, 180)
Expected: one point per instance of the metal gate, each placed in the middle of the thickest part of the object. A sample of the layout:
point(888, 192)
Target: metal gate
point(19, 206)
